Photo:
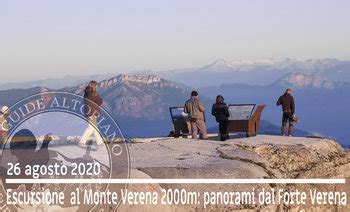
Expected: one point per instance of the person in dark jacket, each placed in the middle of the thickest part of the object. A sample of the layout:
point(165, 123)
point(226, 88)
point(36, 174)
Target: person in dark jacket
point(220, 111)
point(288, 108)
point(92, 101)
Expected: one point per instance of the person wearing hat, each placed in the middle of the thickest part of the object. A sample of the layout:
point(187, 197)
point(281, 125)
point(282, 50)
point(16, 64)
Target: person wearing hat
point(4, 113)
point(288, 108)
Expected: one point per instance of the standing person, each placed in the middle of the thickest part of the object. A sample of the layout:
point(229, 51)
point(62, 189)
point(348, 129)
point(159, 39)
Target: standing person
point(4, 113)
point(92, 101)
point(220, 111)
point(288, 108)
point(196, 112)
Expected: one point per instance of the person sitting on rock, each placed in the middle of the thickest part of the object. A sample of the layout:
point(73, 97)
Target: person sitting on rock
point(196, 112)
point(288, 108)
point(220, 111)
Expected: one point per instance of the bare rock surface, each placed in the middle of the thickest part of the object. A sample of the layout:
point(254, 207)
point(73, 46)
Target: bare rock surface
point(239, 158)
point(255, 157)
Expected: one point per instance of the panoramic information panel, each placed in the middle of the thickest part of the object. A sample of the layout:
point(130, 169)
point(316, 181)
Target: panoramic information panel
point(177, 112)
point(179, 118)
point(240, 112)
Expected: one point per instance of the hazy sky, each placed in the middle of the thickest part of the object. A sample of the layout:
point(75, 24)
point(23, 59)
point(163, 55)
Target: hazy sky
point(40, 39)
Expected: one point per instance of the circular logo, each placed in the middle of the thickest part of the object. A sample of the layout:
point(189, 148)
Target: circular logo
point(58, 153)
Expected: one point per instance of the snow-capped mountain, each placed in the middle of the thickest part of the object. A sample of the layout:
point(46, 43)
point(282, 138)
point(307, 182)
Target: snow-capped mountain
point(252, 72)
point(257, 72)
point(219, 65)
point(222, 65)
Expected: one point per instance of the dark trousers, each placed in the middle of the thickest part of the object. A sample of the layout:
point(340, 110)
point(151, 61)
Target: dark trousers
point(287, 118)
point(223, 129)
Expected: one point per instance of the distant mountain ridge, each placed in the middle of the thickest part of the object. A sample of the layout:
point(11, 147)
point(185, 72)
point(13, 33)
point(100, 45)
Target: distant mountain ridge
point(272, 64)
point(221, 71)
point(257, 72)
point(141, 103)
point(55, 83)
point(302, 81)
point(11, 96)
point(147, 97)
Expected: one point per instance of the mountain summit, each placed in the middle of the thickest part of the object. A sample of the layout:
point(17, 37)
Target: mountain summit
point(222, 65)
point(300, 81)
point(132, 79)
point(219, 65)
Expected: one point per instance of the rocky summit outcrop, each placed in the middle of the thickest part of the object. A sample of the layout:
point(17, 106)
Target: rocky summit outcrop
point(256, 157)
point(300, 80)
point(140, 97)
